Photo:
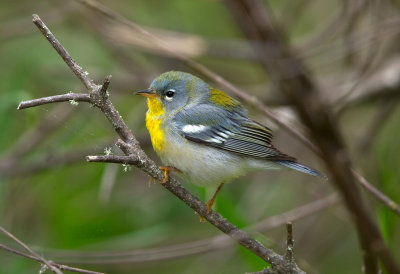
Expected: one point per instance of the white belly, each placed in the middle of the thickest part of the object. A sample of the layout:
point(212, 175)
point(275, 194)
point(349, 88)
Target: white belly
point(207, 166)
point(202, 165)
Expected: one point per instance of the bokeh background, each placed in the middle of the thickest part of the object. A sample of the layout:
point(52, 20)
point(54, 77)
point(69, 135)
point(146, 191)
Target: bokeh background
point(106, 217)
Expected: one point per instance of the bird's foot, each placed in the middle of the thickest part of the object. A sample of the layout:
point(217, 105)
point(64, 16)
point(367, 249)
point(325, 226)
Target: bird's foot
point(210, 202)
point(167, 170)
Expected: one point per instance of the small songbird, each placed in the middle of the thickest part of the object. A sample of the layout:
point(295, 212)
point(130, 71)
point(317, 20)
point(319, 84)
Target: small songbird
point(206, 135)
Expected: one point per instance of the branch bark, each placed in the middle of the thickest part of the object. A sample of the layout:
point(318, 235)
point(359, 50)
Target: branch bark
point(34, 254)
point(289, 242)
point(131, 147)
point(59, 266)
point(54, 99)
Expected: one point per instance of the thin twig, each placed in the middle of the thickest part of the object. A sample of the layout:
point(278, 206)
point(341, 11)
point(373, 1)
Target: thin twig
point(60, 266)
point(289, 243)
point(384, 84)
point(54, 99)
point(105, 85)
point(195, 247)
point(378, 121)
point(383, 198)
point(37, 256)
point(113, 159)
point(82, 75)
point(141, 160)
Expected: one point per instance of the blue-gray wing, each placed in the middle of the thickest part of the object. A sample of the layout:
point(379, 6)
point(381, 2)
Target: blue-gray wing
point(228, 130)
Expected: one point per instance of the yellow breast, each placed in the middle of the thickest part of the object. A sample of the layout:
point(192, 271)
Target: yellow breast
point(153, 123)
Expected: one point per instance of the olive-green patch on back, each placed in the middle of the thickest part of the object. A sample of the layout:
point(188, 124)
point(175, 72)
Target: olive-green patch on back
point(221, 99)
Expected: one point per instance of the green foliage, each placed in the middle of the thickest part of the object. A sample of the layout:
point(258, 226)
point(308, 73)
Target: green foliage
point(389, 177)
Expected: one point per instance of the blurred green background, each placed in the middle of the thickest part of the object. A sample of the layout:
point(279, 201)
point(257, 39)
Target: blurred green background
point(100, 217)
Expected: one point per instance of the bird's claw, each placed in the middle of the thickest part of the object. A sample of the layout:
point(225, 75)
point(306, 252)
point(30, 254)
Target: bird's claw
point(167, 170)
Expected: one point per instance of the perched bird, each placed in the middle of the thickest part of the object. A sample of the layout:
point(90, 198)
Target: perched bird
point(206, 135)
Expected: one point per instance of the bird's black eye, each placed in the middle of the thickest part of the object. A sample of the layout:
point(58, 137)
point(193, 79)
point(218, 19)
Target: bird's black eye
point(170, 93)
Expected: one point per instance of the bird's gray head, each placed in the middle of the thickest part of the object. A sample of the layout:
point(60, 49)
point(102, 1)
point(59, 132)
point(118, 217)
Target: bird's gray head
point(175, 89)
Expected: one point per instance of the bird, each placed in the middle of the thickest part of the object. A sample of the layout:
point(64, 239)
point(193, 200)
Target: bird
point(206, 136)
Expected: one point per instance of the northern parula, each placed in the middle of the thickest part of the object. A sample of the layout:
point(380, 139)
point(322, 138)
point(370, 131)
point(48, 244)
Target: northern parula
point(206, 135)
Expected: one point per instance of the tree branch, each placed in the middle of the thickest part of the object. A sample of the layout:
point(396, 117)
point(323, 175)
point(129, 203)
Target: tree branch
point(59, 266)
point(384, 199)
point(99, 98)
point(289, 243)
point(129, 160)
point(54, 99)
point(34, 254)
point(194, 247)
point(82, 75)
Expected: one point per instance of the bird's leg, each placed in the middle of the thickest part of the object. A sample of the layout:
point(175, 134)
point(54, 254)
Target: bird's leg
point(167, 170)
point(210, 202)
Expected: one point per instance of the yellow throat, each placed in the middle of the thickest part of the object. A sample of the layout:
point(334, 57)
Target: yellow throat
point(153, 123)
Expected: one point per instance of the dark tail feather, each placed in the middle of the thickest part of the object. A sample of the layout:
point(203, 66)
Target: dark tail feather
point(301, 168)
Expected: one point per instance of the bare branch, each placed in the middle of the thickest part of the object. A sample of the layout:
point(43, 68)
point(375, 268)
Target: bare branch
point(54, 99)
point(105, 85)
point(383, 198)
point(195, 247)
point(366, 140)
point(130, 160)
point(82, 75)
point(297, 213)
point(289, 243)
point(37, 256)
point(384, 84)
point(60, 266)
point(289, 258)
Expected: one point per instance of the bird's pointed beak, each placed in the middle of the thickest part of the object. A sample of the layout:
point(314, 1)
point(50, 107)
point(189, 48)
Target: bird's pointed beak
point(147, 93)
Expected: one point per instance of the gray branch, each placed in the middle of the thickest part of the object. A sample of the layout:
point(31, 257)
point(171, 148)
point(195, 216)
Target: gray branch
point(59, 266)
point(54, 99)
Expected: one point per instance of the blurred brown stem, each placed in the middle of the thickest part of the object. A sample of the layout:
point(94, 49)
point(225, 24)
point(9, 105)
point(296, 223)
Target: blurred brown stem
point(371, 133)
point(289, 74)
